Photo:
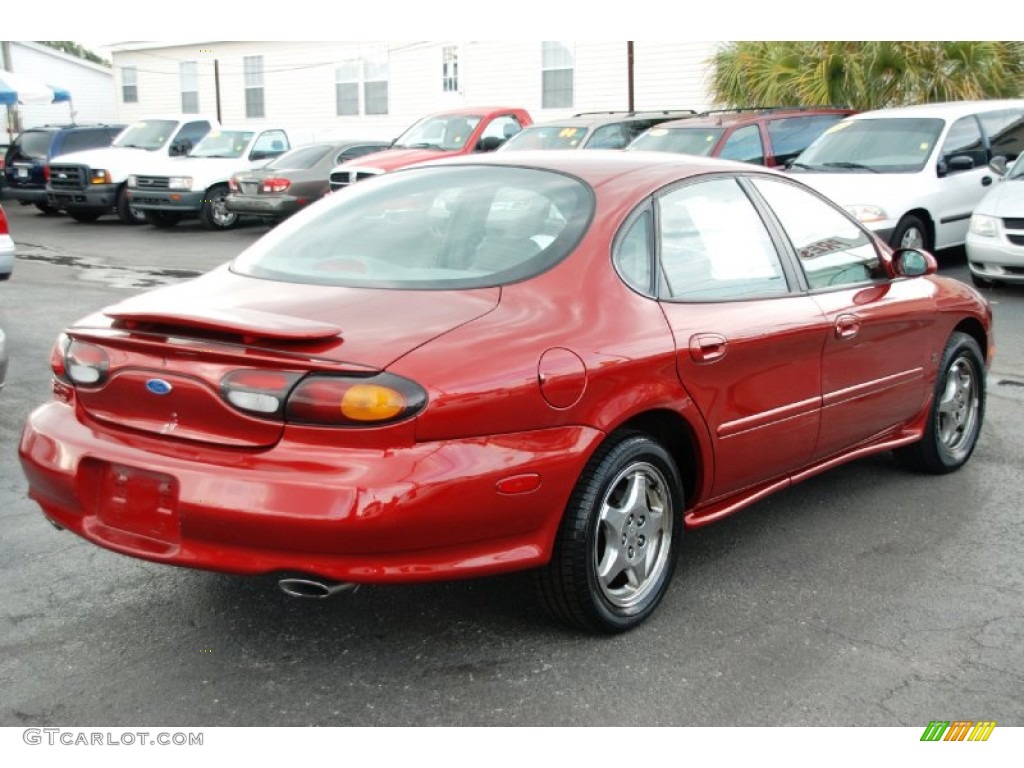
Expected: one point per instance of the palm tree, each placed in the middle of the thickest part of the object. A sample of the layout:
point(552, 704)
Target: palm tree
point(865, 75)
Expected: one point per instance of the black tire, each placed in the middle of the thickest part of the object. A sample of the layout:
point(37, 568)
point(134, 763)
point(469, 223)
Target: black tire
point(125, 212)
point(956, 413)
point(46, 208)
point(911, 232)
point(163, 219)
point(982, 282)
point(85, 216)
point(214, 213)
point(589, 581)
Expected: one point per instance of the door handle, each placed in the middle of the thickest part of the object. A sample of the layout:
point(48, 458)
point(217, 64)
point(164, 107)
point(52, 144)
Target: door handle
point(707, 347)
point(986, 181)
point(847, 326)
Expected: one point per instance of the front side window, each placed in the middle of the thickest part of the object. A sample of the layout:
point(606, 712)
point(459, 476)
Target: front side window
point(501, 128)
point(744, 144)
point(269, 144)
point(687, 141)
point(557, 63)
point(253, 66)
point(873, 145)
point(192, 133)
point(188, 73)
point(964, 141)
point(833, 251)
point(1005, 131)
point(429, 228)
point(714, 245)
point(129, 85)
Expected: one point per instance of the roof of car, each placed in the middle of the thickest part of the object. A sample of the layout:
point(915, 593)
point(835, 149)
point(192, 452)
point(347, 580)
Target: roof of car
point(945, 109)
point(649, 170)
point(473, 111)
point(723, 117)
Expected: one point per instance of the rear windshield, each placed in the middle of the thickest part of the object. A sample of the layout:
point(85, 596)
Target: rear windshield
point(885, 144)
point(688, 141)
point(429, 228)
point(546, 137)
point(147, 134)
point(31, 145)
point(301, 158)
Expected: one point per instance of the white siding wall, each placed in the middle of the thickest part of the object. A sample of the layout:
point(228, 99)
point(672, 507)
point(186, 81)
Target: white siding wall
point(299, 80)
point(90, 86)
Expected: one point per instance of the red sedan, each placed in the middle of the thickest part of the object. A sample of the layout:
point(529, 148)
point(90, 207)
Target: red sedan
point(555, 360)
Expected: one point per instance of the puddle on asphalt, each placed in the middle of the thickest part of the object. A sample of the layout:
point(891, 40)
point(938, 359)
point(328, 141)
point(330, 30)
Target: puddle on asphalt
point(95, 271)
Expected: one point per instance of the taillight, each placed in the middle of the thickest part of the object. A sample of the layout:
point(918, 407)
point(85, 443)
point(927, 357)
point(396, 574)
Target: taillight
point(261, 393)
point(4, 228)
point(233, 184)
point(86, 364)
point(344, 401)
point(57, 358)
point(276, 185)
point(46, 173)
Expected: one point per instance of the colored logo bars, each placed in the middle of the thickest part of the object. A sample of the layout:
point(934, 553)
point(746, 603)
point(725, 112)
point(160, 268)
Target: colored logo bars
point(958, 730)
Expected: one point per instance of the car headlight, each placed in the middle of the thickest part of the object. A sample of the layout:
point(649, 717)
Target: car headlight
point(983, 225)
point(866, 213)
point(180, 182)
point(133, 181)
point(99, 176)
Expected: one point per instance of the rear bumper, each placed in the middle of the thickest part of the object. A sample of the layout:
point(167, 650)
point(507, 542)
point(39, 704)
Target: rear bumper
point(277, 206)
point(26, 195)
point(423, 512)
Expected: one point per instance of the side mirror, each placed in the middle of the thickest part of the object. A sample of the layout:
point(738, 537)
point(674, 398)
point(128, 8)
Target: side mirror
point(489, 144)
point(998, 165)
point(910, 262)
point(961, 163)
point(180, 147)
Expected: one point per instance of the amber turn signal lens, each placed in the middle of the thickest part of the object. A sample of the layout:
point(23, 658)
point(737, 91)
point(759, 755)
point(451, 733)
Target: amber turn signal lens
point(371, 402)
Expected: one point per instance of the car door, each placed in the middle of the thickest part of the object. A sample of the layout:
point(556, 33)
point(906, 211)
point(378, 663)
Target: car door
point(748, 346)
point(880, 330)
point(959, 188)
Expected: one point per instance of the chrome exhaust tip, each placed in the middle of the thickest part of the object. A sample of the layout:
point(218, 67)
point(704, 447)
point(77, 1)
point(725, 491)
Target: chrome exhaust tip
point(314, 589)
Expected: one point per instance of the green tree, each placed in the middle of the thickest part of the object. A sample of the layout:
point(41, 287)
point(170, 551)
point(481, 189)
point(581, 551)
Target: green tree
point(75, 49)
point(865, 75)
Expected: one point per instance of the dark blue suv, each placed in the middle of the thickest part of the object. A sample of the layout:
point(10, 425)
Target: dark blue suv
point(27, 158)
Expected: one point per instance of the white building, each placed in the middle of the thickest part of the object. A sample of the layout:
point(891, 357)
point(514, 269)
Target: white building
point(376, 90)
point(91, 86)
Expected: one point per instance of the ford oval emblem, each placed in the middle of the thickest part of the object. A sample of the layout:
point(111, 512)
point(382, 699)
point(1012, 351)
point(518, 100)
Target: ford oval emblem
point(158, 386)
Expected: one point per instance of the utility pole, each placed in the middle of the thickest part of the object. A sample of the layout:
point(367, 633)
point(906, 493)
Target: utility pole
point(216, 85)
point(629, 73)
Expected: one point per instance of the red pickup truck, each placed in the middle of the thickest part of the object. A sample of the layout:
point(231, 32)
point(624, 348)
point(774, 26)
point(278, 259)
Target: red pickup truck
point(445, 134)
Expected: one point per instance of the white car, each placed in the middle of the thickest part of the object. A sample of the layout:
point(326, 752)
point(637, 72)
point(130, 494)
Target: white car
point(197, 184)
point(995, 240)
point(914, 175)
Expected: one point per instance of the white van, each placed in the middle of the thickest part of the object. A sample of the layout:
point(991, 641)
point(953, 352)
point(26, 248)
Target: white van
point(913, 175)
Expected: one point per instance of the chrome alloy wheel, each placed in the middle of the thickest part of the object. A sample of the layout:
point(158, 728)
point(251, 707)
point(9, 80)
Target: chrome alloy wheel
point(634, 530)
point(957, 414)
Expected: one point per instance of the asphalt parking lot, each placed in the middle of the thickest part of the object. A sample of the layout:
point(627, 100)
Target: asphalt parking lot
point(866, 596)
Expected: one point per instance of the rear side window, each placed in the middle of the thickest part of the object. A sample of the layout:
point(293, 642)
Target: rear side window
point(714, 245)
point(364, 149)
point(84, 139)
point(792, 135)
point(429, 228)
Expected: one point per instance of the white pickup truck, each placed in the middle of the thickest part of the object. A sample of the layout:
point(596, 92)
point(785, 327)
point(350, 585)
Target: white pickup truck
point(197, 184)
point(91, 184)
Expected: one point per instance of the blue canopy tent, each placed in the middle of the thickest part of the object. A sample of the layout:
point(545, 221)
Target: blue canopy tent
point(16, 89)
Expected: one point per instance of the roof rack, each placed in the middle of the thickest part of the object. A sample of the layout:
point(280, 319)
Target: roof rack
point(635, 112)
